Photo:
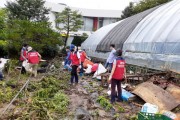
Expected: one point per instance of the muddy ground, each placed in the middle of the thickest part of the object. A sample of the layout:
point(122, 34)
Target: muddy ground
point(83, 97)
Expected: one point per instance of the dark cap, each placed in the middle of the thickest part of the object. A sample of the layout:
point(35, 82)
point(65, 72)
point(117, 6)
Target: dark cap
point(118, 52)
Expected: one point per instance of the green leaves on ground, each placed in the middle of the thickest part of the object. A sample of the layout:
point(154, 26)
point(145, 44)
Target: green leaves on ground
point(104, 102)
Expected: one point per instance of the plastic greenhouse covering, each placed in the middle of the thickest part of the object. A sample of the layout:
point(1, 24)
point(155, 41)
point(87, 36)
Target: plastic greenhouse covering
point(92, 41)
point(155, 42)
point(152, 41)
point(119, 34)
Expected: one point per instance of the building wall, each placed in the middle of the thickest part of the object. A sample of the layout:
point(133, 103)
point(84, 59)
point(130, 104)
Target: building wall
point(52, 19)
point(88, 24)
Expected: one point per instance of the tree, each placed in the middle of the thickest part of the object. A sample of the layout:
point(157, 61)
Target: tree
point(128, 11)
point(78, 40)
point(140, 7)
point(3, 18)
point(37, 34)
point(33, 10)
point(147, 4)
point(70, 21)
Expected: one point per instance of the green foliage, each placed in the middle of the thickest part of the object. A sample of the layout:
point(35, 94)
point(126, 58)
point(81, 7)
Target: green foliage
point(78, 40)
point(116, 116)
point(140, 7)
point(104, 102)
point(61, 102)
point(147, 4)
point(37, 34)
point(47, 100)
point(6, 93)
point(121, 109)
point(128, 11)
point(134, 117)
point(71, 20)
point(3, 18)
point(27, 10)
point(3, 48)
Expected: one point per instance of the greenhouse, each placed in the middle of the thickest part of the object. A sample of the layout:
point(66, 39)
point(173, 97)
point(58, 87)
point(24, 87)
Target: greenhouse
point(150, 38)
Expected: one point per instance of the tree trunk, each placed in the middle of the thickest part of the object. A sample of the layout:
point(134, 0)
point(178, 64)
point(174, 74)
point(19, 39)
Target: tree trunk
point(67, 34)
point(66, 38)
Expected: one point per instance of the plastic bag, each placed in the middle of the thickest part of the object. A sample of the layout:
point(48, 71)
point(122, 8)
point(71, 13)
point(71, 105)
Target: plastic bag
point(101, 69)
point(2, 64)
point(150, 108)
point(26, 65)
point(87, 62)
point(88, 70)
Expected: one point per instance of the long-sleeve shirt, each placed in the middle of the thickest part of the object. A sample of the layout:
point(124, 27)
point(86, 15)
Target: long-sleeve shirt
point(67, 60)
point(111, 57)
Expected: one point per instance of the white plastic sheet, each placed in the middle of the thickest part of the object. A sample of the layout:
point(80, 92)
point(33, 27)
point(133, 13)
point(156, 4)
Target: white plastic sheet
point(101, 69)
point(150, 108)
point(92, 41)
point(2, 64)
point(88, 70)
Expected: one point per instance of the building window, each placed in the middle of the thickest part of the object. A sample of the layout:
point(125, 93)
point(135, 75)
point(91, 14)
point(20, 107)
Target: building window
point(100, 22)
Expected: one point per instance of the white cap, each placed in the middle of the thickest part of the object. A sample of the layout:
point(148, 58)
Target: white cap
point(29, 48)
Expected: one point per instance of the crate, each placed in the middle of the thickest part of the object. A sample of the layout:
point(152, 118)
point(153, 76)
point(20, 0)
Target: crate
point(150, 116)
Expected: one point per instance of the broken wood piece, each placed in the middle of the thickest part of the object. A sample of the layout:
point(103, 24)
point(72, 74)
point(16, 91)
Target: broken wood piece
point(174, 91)
point(153, 94)
point(136, 104)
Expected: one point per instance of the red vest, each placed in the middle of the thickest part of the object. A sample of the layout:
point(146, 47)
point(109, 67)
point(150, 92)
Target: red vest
point(74, 59)
point(82, 55)
point(24, 54)
point(33, 57)
point(119, 71)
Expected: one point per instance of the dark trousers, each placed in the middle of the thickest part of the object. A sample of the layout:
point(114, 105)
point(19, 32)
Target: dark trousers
point(74, 74)
point(115, 83)
point(1, 76)
point(23, 70)
point(82, 68)
point(109, 65)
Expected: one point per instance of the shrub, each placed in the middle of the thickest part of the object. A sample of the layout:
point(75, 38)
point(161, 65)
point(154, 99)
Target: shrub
point(39, 35)
point(3, 48)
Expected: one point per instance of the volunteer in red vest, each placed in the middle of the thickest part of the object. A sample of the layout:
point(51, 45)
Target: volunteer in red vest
point(23, 57)
point(75, 62)
point(33, 59)
point(118, 73)
point(83, 56)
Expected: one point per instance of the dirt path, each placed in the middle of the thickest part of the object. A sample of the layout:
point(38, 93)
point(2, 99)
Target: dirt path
point(83, 97)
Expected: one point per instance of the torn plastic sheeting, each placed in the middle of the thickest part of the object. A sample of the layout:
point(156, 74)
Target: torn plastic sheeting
point(88, 70)
point(2, 64)
point(101, 69)
point(125, 94)
point(153, 94)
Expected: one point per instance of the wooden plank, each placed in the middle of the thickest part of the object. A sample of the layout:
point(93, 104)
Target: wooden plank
point(174, 91)
point(153, 94)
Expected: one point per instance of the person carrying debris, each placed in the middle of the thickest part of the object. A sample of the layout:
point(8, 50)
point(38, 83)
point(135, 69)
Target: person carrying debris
point(109, 61)
point(118, 73)
point(33, 60)
point(83, 56)
point(75, 62)
point(23, 57)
